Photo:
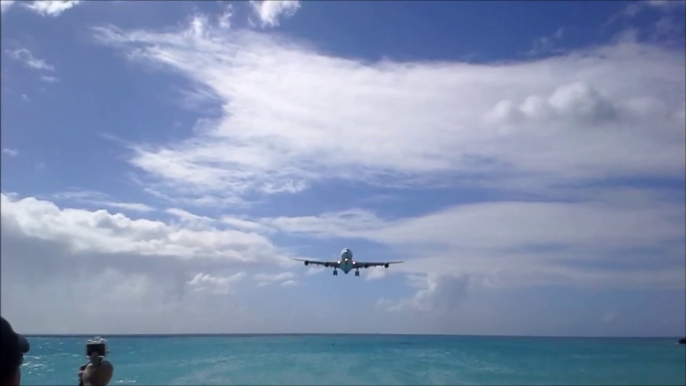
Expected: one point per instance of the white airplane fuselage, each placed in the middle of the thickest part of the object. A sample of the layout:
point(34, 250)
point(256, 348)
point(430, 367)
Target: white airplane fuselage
point(346, 261)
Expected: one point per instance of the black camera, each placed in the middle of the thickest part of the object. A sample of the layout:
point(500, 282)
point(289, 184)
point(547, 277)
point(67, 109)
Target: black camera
point(97, 345)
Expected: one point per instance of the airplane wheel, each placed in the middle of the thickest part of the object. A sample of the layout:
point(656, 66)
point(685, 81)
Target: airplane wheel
point(357, 273)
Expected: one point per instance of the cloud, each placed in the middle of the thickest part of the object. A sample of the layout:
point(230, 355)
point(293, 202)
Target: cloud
point(5, 5)
point(576, 103)
point(638, 7)
point(271, 11)
point(50, 79)
point(132, 206)
point(666, 4)
point(51, 8)
point(436, 293)
point(284, 278)
point(557, 241)
point(217, 285)
point(224, 20)
point(545, 44)
point(10, 152)
point(60, 260)
point(102, 232)
point(314, 271)
point(189, 218)
point(376, 273)
point(25, 56)
point(99, 199)
point(349, 223)
point(274, 277)
point(664, 27)
point(287, 127)
point(245, 224)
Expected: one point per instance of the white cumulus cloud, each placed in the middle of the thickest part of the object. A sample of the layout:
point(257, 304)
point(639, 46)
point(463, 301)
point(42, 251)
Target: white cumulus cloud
point(437, 292)
point(51, 8)
point(102, 232)
point(270, 12)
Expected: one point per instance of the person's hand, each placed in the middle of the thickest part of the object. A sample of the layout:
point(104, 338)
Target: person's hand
point(97, 374)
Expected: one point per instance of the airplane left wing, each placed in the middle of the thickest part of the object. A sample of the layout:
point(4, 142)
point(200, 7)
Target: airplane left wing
point(361, 264)
point(334, 264)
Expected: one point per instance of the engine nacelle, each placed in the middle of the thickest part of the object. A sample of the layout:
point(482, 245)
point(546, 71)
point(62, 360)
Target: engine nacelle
point(307, 263)
point(386, 265)
point(366, 265)
point(326, 264)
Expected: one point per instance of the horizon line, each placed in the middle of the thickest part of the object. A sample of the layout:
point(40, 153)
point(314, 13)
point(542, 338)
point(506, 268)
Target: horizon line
point(247, 334)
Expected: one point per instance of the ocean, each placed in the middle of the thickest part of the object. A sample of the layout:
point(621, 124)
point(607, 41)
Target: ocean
point(363, 360)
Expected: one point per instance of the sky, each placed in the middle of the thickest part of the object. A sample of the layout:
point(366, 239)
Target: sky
point(164, 163)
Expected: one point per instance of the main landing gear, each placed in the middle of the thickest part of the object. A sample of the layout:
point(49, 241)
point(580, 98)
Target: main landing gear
point(335, 273)
point(357, 273)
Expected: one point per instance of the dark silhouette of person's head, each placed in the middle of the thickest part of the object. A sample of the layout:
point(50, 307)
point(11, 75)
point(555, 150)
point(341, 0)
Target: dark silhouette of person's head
point(13, 347)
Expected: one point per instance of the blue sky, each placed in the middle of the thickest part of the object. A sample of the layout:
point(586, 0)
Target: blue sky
point(162, 160)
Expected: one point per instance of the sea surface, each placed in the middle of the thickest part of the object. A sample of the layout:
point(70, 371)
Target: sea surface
point(363, 360)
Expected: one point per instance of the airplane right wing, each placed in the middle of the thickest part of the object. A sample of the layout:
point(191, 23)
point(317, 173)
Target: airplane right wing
point(361, 264)
point(334, 264)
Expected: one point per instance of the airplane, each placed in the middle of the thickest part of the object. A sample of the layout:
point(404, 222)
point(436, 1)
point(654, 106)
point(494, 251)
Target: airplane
point(347, 264)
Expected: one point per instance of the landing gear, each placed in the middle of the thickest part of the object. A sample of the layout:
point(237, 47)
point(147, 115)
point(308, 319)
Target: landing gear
point(335, 273)
point(357, 273)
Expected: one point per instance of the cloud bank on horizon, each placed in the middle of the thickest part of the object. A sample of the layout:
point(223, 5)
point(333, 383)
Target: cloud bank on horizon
point(519, 190)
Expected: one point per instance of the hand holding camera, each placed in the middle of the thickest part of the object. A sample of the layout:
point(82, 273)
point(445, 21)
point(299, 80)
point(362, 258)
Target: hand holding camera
point(98, 371)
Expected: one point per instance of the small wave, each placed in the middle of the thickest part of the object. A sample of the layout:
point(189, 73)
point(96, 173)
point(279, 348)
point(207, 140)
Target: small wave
point(31, 365)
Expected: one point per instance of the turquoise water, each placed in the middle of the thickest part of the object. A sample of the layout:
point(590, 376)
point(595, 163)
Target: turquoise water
point(364, 359)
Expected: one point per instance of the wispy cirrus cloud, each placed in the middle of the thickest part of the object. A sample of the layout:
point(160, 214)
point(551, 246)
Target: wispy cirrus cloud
point(25, 56)
point(99, 199)
point(50, 79)
point(10, 152)
point(283, 278)
point(636, 7)
point(545, 44)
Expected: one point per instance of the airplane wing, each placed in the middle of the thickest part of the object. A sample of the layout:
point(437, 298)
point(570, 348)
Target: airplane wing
point(362, 264)
point(334, 264)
